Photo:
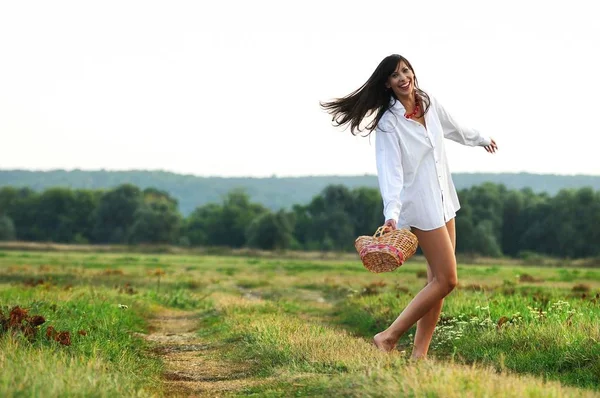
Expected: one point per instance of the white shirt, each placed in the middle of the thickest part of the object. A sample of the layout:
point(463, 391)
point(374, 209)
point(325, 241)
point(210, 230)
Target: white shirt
point(412, 168)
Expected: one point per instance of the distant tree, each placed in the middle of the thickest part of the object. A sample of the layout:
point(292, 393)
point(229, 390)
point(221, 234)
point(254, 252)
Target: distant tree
point(157, 220)
point(561, 225)
point(586, 220)
point(225, 224)
point(20, 204)
point(7, 228)
point(155, 223)
point(238, 212)
point(366, 211)
point(271, 231)
point(487, 203)
point(83, 214)
point(115, 214)
point(537, 237)
point(55, 217)
point(337, 197)
point(8, 198)
point(328, 221)
point(153, 195)
point(198, 225)
point(485, 241)
point(340, 229)
point(465, 230)
point(302, 225)
point(513, 226)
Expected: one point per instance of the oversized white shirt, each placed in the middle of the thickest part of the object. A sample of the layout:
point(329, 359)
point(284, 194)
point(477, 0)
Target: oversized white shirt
point(412, 168)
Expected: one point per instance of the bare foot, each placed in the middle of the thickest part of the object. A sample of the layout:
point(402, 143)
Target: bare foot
point(383, 343)
point(418, 357)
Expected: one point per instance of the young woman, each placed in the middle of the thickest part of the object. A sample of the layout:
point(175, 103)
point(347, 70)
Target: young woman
point(414, 179)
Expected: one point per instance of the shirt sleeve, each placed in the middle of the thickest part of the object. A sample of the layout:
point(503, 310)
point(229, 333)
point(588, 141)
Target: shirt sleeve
point(389, 170)
point(455, 132)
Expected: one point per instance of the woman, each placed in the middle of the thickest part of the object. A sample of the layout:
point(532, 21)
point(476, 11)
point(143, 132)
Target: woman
point(414, 179)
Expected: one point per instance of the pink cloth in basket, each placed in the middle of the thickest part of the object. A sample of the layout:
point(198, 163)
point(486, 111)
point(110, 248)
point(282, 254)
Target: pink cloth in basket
point(377, 247)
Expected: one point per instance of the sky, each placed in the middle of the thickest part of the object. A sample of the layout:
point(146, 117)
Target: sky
point(232, 88)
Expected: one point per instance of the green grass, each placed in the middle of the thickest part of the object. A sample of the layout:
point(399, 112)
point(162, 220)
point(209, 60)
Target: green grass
point(302, 356)
point(110, 303)
point(107, 361)
point(560, 342)
point(302, 326)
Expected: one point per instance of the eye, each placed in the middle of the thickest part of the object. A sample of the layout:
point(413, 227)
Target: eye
point(405, 70)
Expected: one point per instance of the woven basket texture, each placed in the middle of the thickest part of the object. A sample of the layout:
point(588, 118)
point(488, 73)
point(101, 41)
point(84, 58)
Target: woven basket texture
point(386, 250)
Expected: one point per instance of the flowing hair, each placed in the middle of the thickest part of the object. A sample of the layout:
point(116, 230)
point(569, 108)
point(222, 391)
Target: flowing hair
point(373, 97)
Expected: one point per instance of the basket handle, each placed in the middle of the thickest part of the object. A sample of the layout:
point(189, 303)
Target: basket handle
point(381, 231)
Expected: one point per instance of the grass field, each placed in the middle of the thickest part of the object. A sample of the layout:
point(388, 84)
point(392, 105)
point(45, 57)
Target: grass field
point(177, 325)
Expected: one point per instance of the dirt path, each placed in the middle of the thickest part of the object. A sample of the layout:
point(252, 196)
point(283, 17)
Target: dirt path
point(193, 368)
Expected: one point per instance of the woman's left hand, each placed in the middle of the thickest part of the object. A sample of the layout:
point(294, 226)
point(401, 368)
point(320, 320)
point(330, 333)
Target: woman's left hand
point(492, 148)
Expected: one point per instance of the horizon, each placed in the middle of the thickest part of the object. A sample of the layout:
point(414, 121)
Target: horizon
point(277, 176)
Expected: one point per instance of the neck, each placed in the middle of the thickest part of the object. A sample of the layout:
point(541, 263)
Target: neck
point(408, 102)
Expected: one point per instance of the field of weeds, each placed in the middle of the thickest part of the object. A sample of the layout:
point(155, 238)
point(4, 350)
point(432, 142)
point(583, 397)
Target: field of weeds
point(139, 324)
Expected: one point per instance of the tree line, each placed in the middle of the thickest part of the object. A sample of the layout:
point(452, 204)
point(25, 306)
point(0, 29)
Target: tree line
point(493, 220)
point(273, 192)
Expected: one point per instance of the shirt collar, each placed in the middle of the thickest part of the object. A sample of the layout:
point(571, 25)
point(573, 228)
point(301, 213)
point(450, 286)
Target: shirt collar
point(396, 104)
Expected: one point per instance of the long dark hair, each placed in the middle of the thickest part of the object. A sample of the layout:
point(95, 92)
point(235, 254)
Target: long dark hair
point(371, 97)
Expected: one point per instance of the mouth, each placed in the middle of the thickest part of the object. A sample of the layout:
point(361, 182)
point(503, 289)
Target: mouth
point(405, 86)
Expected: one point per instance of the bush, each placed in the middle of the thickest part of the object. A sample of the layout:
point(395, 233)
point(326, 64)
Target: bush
point(532, 258)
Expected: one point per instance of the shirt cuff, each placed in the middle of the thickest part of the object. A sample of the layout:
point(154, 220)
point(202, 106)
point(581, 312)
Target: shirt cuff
point(485, 141)
point(392, 211)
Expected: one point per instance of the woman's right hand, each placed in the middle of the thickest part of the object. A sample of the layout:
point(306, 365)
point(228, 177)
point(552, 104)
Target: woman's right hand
point(390, 224)
point(492, 148)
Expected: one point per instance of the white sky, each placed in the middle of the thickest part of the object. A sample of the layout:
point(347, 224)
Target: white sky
point(231, 88)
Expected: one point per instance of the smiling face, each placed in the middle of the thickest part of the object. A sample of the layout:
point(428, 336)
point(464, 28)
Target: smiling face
point(402, 81)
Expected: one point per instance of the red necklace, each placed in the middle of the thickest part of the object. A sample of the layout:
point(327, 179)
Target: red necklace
point(413, 113)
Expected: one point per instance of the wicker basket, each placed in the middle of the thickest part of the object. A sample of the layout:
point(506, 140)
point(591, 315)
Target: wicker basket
point(386, 250)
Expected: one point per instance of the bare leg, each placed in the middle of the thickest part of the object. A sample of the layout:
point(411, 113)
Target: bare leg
point(426, 325)
point(439, 252)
